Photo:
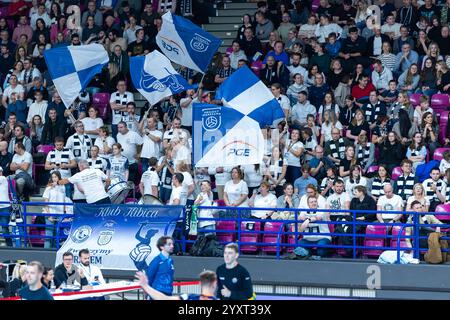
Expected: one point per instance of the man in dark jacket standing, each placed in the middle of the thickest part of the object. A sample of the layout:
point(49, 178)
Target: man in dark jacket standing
point(68, 273)
point(233, 280)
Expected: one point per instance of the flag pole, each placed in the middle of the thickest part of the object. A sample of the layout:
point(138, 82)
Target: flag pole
point(201, 82)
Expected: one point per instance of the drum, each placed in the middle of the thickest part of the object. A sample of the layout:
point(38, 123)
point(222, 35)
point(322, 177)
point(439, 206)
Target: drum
point(118, 190)
point(150, 200)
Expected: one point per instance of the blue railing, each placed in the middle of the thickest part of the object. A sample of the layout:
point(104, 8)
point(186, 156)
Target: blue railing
point(29, 233)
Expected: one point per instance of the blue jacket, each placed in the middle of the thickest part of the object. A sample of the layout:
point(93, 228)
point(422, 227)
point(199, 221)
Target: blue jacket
point(20, 109)
point(160, 274)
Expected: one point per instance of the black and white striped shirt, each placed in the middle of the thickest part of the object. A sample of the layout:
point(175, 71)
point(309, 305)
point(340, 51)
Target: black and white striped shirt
point(98, 163)
point(405, 186)
point(80, 146)
point(61, 157)
point(431, 195)
point(378, 185)
point(338, 148)
point(363, 153)
point(122, 99)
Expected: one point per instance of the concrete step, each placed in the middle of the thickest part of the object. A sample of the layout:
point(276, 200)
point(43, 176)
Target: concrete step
point(221, 27)
point(235, 12)
point(241, 5)
point(234, 20)
point(225, 34)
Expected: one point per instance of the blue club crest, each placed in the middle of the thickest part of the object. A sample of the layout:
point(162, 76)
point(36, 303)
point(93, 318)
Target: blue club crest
point(150, 83)
point(211, 119)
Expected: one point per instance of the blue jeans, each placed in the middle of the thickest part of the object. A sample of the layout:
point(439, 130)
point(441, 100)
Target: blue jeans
point(165, 194)
point(322, 252)
point(50, 231)
point(114, 131)
point(4, 221)
point(428, 92)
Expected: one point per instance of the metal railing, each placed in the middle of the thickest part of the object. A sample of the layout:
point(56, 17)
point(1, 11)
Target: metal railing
point(284, 236)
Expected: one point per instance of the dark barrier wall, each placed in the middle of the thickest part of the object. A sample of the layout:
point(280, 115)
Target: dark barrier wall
point(395, 281)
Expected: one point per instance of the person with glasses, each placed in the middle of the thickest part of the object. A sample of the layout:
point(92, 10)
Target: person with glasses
point(80, 143)
point(69, 274)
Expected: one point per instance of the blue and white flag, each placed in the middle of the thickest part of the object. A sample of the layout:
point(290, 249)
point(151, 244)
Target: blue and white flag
point(244, 92)
point(155, 78)
point(223, 136)
point(72, 68)
point(185, 43)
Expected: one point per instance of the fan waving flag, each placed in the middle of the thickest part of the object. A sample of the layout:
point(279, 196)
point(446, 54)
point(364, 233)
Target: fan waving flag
point(155, 78)
point(223, 136)
point(72, 68)
point(244, 92)
point(185, 43)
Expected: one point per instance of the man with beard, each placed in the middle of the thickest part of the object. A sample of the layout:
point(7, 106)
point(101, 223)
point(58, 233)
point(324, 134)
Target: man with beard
point(93, 273)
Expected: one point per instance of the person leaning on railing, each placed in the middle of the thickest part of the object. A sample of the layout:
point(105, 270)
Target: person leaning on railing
point(288, 200)
point(263, 199)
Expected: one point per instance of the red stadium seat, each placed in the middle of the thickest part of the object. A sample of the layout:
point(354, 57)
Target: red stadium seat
point(395, 232)
point(273, 228)
point(250, 237)
point(444, 212)
point(36, 231)
point(443, 126)
point(220, 203)
point(378, 230)
point(415, 99)
point(372, 169)
point(225, 236)
point(440, 102)
point(131, 200)
point(396, 172)
point(439, 153)
point(101, 98)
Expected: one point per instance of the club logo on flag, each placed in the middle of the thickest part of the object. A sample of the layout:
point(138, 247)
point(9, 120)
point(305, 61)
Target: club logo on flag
point(150, 83)
point(199, 43)
point(105, 236)
point(174, 47)
point(211, 119)
point(82, 234)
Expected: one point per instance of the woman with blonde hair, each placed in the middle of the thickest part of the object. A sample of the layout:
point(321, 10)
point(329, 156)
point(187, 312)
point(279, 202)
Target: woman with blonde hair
point(330, 122)
point(409, 80)
point(19, 280)
point(365, 152)
point(433, 53)
point(361, 14)
point(418, 195)
point(443, 77)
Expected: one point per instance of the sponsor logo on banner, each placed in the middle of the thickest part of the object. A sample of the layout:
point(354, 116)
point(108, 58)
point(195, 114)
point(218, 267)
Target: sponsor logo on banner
point(211, 119)
point(200, 43)
point(105, 236)
point(150, 83)
point(81, 234)
point(171, 45)
point(239, 148)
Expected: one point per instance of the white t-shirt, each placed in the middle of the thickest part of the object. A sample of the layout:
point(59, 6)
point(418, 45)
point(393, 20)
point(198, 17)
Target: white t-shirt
point(92, 124)
point(150, 147)
point(26, 157)
point(269, 201)
point(393, 204)
point(326, 130)
point(289, 157)
point(99, 143)
point(337, 202)
point(37, 109)
point(4, 193)
point(206, 213)
point(129, 141)
point(91, 181)
point(234, 192)
point(350, 186)
point(186, 113)
point(149, 178)
point(251, 176)
point(122, 99)
point(91, 272)
point(187, 181)
point(9, 90)
point(178, 193)
point(55, 194)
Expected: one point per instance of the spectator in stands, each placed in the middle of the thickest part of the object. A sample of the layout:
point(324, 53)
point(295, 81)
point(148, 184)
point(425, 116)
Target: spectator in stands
point(427, 83)
point(353, 50)
point(38, 107)
point(435, 189)
point(67, 273)
point(375, 44)
point(312, 191)
point(417, 151)
point(355, 179)
point(338, 200)
point(405, 183)
point(90, 30)
point(53, 193)
point(53, 128)
point(389, 202)
point(391, 28)
point(47, 277)
point(6, 59)
point(379, 181)
point(224, 71)
point(36, 130)
point(409, 79)
point(430, 131)
point(60, 108)
point(301, 183)
point(404, 129)
point(236, 190)
point(92, 11)
point(381, 76)
point(278, 53)
point(358, 126)
point(104, 142)
point(151, 140)
point(309, 226)
point(118, 102)
point(19, 136)
point(21, 165)
point(335, 149)
point(34, 290)
point(362, 90)
point(118, 164)
point(262, 198)
point(12, 122)
point(287, 200)
point(443, 77)
point(139, 47)
point(320, 164)
point(14, 87)
point(79, 142)
point(444, 166)
point(22, 28)
point(5, 158)
point(19, 109)
point(263, 27)
point(37, 86)
point(236, 54)
point(347, 162)
point(301, 109)
point(365, 152)
point(178, 195)
point(250, 44)
point(419, 196)
point(405, 58)
point(318, 91)
point(363, 202)
point(325, 27)
point(328, 105)
point(95, 161)
point(275, 171)
point(5, 206)
point(391, 151)
point(129, 140)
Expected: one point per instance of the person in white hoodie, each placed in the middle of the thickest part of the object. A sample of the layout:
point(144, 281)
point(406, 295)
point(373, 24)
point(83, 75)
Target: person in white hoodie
point(236, 55)
point(381, 76)
point(38, 107)
point(324, 28)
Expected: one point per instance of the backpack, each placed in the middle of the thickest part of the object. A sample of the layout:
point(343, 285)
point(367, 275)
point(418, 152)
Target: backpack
point(435, 244)
point(207, 246)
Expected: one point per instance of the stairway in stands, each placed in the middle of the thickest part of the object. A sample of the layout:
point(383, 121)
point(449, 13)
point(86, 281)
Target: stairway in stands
point(227, 21)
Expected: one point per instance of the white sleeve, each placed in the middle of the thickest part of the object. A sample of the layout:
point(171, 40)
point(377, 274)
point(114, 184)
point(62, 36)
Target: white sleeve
point(138, 139)
point(46, 193)
point(155, 180)
point(28, 158)
point(75, 178)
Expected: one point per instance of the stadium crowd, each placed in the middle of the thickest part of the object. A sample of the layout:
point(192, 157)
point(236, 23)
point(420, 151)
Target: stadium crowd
point(354, 97)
